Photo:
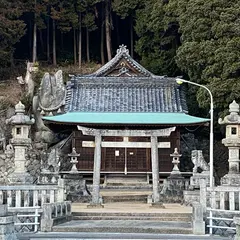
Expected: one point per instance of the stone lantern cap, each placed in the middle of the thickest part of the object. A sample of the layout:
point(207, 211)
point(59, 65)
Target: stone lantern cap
point(20, 118)
point(73, 153)
point(233, 117)
point(175, 154)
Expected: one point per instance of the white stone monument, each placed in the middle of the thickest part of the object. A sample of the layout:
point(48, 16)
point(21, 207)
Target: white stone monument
point(21, 125)
point(232, 141)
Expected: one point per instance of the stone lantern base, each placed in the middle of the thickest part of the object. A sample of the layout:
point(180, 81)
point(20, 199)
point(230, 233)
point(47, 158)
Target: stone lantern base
point(232, 179)
point(20, 178)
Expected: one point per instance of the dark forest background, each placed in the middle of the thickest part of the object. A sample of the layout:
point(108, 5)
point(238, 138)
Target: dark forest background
point(196, 39)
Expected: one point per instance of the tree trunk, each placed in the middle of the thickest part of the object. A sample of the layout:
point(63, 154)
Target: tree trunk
point(54, 44)
point(62, 44)
point(87, 45)
point(74, 46)
point(41, 40)
point(80, 41)
point(117, 31)
point(102, 36)
point(30, 40)
point(48, 39)
point(131, 35)
point(102, 45)
point(34, 50)
point(34, 54)
point(108, 30)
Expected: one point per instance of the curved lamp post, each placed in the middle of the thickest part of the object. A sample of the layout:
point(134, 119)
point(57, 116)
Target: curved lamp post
point(180, 81)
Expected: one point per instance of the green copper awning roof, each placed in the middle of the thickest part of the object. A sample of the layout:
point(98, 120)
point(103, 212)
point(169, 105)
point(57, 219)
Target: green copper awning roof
point(125, 118)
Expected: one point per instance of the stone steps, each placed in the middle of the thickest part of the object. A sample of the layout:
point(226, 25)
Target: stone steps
point(125, 198)
point(125, 195)
point(163, 217)
point(169, 219)
point(123, 187)
point(115, 236)
point(125, 226)
point(128, 222)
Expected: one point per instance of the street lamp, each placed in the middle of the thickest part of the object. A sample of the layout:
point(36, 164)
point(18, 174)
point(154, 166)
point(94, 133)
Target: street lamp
point(180, 81)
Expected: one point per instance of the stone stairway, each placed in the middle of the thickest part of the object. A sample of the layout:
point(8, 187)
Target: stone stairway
point(124, 220)
point(126, 224)
point(129, 217)
point(125, 195)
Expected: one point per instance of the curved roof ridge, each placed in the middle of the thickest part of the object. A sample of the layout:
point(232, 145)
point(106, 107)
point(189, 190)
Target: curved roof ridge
point(122, 52)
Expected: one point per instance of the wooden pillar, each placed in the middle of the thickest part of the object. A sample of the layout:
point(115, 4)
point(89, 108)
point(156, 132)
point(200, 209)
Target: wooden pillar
point(96, 201)
point(155, 169)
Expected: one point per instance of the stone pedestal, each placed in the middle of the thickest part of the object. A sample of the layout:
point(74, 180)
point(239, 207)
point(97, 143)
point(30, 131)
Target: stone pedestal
point(76, 189)
point(7, 231)
point(191, 196)
point(173, 188)
point(174, 185)
point(198, 223)
point(231, 179)
point(197, 177)
point(20, 174)
point(21, 125)
point(20, 178)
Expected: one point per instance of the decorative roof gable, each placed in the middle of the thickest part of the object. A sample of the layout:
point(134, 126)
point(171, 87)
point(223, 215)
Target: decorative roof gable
point(122, 65)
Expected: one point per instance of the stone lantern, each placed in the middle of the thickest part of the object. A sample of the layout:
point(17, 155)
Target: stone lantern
point(175, 162)
point(232, 141)
point(21, 125)
point(73, 155)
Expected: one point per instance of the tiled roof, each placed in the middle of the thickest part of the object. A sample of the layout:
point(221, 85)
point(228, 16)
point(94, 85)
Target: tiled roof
point(111, 94)
point(123, 85)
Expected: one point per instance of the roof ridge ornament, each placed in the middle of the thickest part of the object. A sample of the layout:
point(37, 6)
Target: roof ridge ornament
point(122, 49)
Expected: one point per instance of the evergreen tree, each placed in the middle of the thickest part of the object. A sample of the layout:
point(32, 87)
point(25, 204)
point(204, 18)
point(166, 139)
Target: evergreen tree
point(158, 40)
point(11, 29)
point(127, 9)
point(210, 47)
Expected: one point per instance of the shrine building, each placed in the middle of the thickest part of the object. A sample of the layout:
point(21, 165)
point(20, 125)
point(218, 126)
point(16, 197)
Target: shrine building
point(124, 119)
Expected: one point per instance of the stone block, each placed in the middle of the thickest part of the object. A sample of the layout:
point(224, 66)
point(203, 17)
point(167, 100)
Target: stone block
point(198, 223)
point(46, 225)
point(231, 179)
point(3, 210)
point(191, 196)
point(7, 231)
point(237, 222)
point(197, 177)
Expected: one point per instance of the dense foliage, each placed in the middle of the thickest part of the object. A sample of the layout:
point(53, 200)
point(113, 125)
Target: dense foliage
point(210, 47)
point(199, 39)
